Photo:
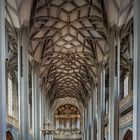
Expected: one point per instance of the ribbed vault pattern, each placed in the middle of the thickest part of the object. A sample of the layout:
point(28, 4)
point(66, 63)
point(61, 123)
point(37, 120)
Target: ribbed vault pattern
point(68, 39)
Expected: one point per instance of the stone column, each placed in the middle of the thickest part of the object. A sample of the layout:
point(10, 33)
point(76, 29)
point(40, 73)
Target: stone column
point(50, 119)
point(90, 119)
point(92, 123)
point(136, 79)
point(47, 115)
point(101, 101)
point(23, 91)
point(131, 56)
point(42, 112)
point(94, 112)
point(114, 84)
point(6, 70)
point(2, 73)
point(35, 102)
point(85, 124)
point(130, 77)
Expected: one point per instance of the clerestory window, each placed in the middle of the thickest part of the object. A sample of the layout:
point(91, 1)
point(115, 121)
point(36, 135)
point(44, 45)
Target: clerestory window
point(126, 86)
point(10, 95)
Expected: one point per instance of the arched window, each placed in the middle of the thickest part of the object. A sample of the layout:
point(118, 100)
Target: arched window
point(10, 95)
point(9, 136)
point(126, 85)
point(128, 135)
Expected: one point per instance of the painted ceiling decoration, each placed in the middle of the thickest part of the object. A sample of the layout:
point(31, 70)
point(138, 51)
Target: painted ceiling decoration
point(69, 38)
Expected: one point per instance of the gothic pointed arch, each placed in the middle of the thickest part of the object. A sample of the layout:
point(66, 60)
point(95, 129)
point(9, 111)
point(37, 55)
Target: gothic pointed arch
point(9, 136)
point(128, 135)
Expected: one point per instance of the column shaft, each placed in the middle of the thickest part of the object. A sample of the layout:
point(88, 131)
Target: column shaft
point(50, 118)
point(94, 111)
point(47, 137)
point(2, 73)
point(35, 102)
point(114, 85)
point(101, 101)
point(136, 79)
point(85, 124)
point(23, 91)
point(42, 118)
point(90, 119)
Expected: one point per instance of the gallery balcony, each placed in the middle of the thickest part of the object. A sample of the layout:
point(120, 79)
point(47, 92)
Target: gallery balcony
point(126, 102)
point(67, 134)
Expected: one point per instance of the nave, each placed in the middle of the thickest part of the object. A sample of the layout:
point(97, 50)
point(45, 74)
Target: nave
point(69, 69)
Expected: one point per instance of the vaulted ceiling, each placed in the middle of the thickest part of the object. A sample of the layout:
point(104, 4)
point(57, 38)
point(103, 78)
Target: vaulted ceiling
point(69, 38)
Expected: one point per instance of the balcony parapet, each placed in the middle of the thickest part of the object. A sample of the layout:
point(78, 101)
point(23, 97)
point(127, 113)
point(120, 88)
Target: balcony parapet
point(67, 134)
point(126, 102)
point(126, 120)
point(12, 121)
point(106, 119)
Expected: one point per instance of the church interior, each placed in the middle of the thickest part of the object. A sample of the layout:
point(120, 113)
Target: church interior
point(69, 70)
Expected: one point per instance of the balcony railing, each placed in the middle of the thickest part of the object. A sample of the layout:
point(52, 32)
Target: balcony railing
point(126, 119)
point(67, 133)
point(12, 121)
point(126, 102)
